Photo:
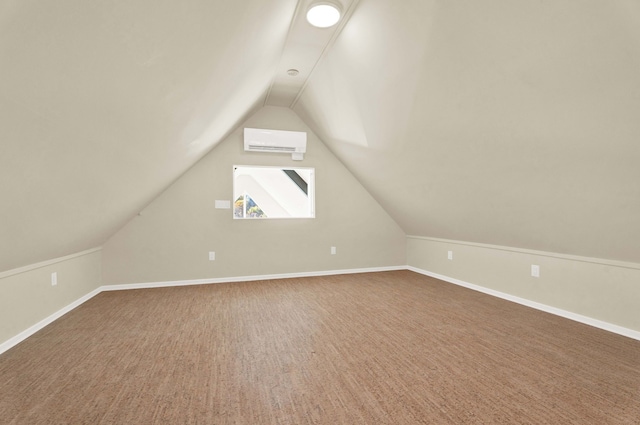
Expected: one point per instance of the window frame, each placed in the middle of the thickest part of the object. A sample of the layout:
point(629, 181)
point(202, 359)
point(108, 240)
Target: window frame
point(311, 192)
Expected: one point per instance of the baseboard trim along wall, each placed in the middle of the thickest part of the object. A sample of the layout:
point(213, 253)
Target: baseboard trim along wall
point(538, 306)
point(44, 322)
point(38, 326)
point(246, 278)
point(598, 292)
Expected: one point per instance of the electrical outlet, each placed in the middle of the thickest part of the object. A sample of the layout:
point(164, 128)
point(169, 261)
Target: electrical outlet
point(54, 278)
point(450, 255)
point(535, 270)
point(333, 250)
point(212, 255)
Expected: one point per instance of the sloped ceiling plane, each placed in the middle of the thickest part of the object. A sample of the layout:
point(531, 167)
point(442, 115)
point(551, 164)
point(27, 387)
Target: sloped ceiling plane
point(513, 123)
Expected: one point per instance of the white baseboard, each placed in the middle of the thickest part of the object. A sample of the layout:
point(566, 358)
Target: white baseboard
point(35, 328)
point(538, 306)
point(246, 278)
point(558, 312)
point(41, 324)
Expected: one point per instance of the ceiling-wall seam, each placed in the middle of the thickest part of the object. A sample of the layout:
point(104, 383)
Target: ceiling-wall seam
point(329, 45)
point(296, 12)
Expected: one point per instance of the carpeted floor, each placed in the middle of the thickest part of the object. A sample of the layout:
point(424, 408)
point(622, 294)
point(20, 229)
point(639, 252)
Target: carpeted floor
point(375, 348)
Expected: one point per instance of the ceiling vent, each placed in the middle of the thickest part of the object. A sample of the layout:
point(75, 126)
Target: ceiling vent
point(278, 141)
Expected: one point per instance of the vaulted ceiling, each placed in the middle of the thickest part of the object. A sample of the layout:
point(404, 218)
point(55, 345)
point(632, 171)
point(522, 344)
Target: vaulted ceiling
point(503, 122)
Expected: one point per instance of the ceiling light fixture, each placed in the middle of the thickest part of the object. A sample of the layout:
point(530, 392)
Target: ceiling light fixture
point(323, 14)
point(292, 72)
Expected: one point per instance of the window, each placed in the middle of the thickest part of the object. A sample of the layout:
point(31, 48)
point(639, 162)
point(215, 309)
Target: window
point(273, 192)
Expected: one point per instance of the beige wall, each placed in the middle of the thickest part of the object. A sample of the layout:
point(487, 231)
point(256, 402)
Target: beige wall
point(27, 298)
point(603, 290)
point(171, 238)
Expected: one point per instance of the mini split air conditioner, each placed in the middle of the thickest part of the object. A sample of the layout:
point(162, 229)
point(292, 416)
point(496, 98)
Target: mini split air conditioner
point(279, 141)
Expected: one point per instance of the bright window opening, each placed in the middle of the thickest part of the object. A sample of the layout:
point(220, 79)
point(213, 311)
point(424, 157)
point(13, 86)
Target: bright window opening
point(273, 192)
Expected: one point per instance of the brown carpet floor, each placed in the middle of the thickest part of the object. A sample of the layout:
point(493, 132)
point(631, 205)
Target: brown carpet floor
point(374, 348)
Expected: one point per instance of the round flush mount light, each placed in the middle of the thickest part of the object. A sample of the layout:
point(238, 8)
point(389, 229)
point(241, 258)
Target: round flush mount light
point(292, 72)
point(323, 14)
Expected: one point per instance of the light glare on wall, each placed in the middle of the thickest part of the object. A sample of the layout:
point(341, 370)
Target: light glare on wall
point(323, 15)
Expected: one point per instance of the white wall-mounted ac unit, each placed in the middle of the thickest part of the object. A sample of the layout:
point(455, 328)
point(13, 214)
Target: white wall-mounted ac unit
point(279, 141)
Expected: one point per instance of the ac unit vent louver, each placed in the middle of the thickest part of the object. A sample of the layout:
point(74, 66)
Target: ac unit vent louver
point(271, 148)
point(278, 141)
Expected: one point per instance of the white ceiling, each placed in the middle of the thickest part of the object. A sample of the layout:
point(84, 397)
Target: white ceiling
point(303, 51)
point(511, 123)
point(104, 104)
